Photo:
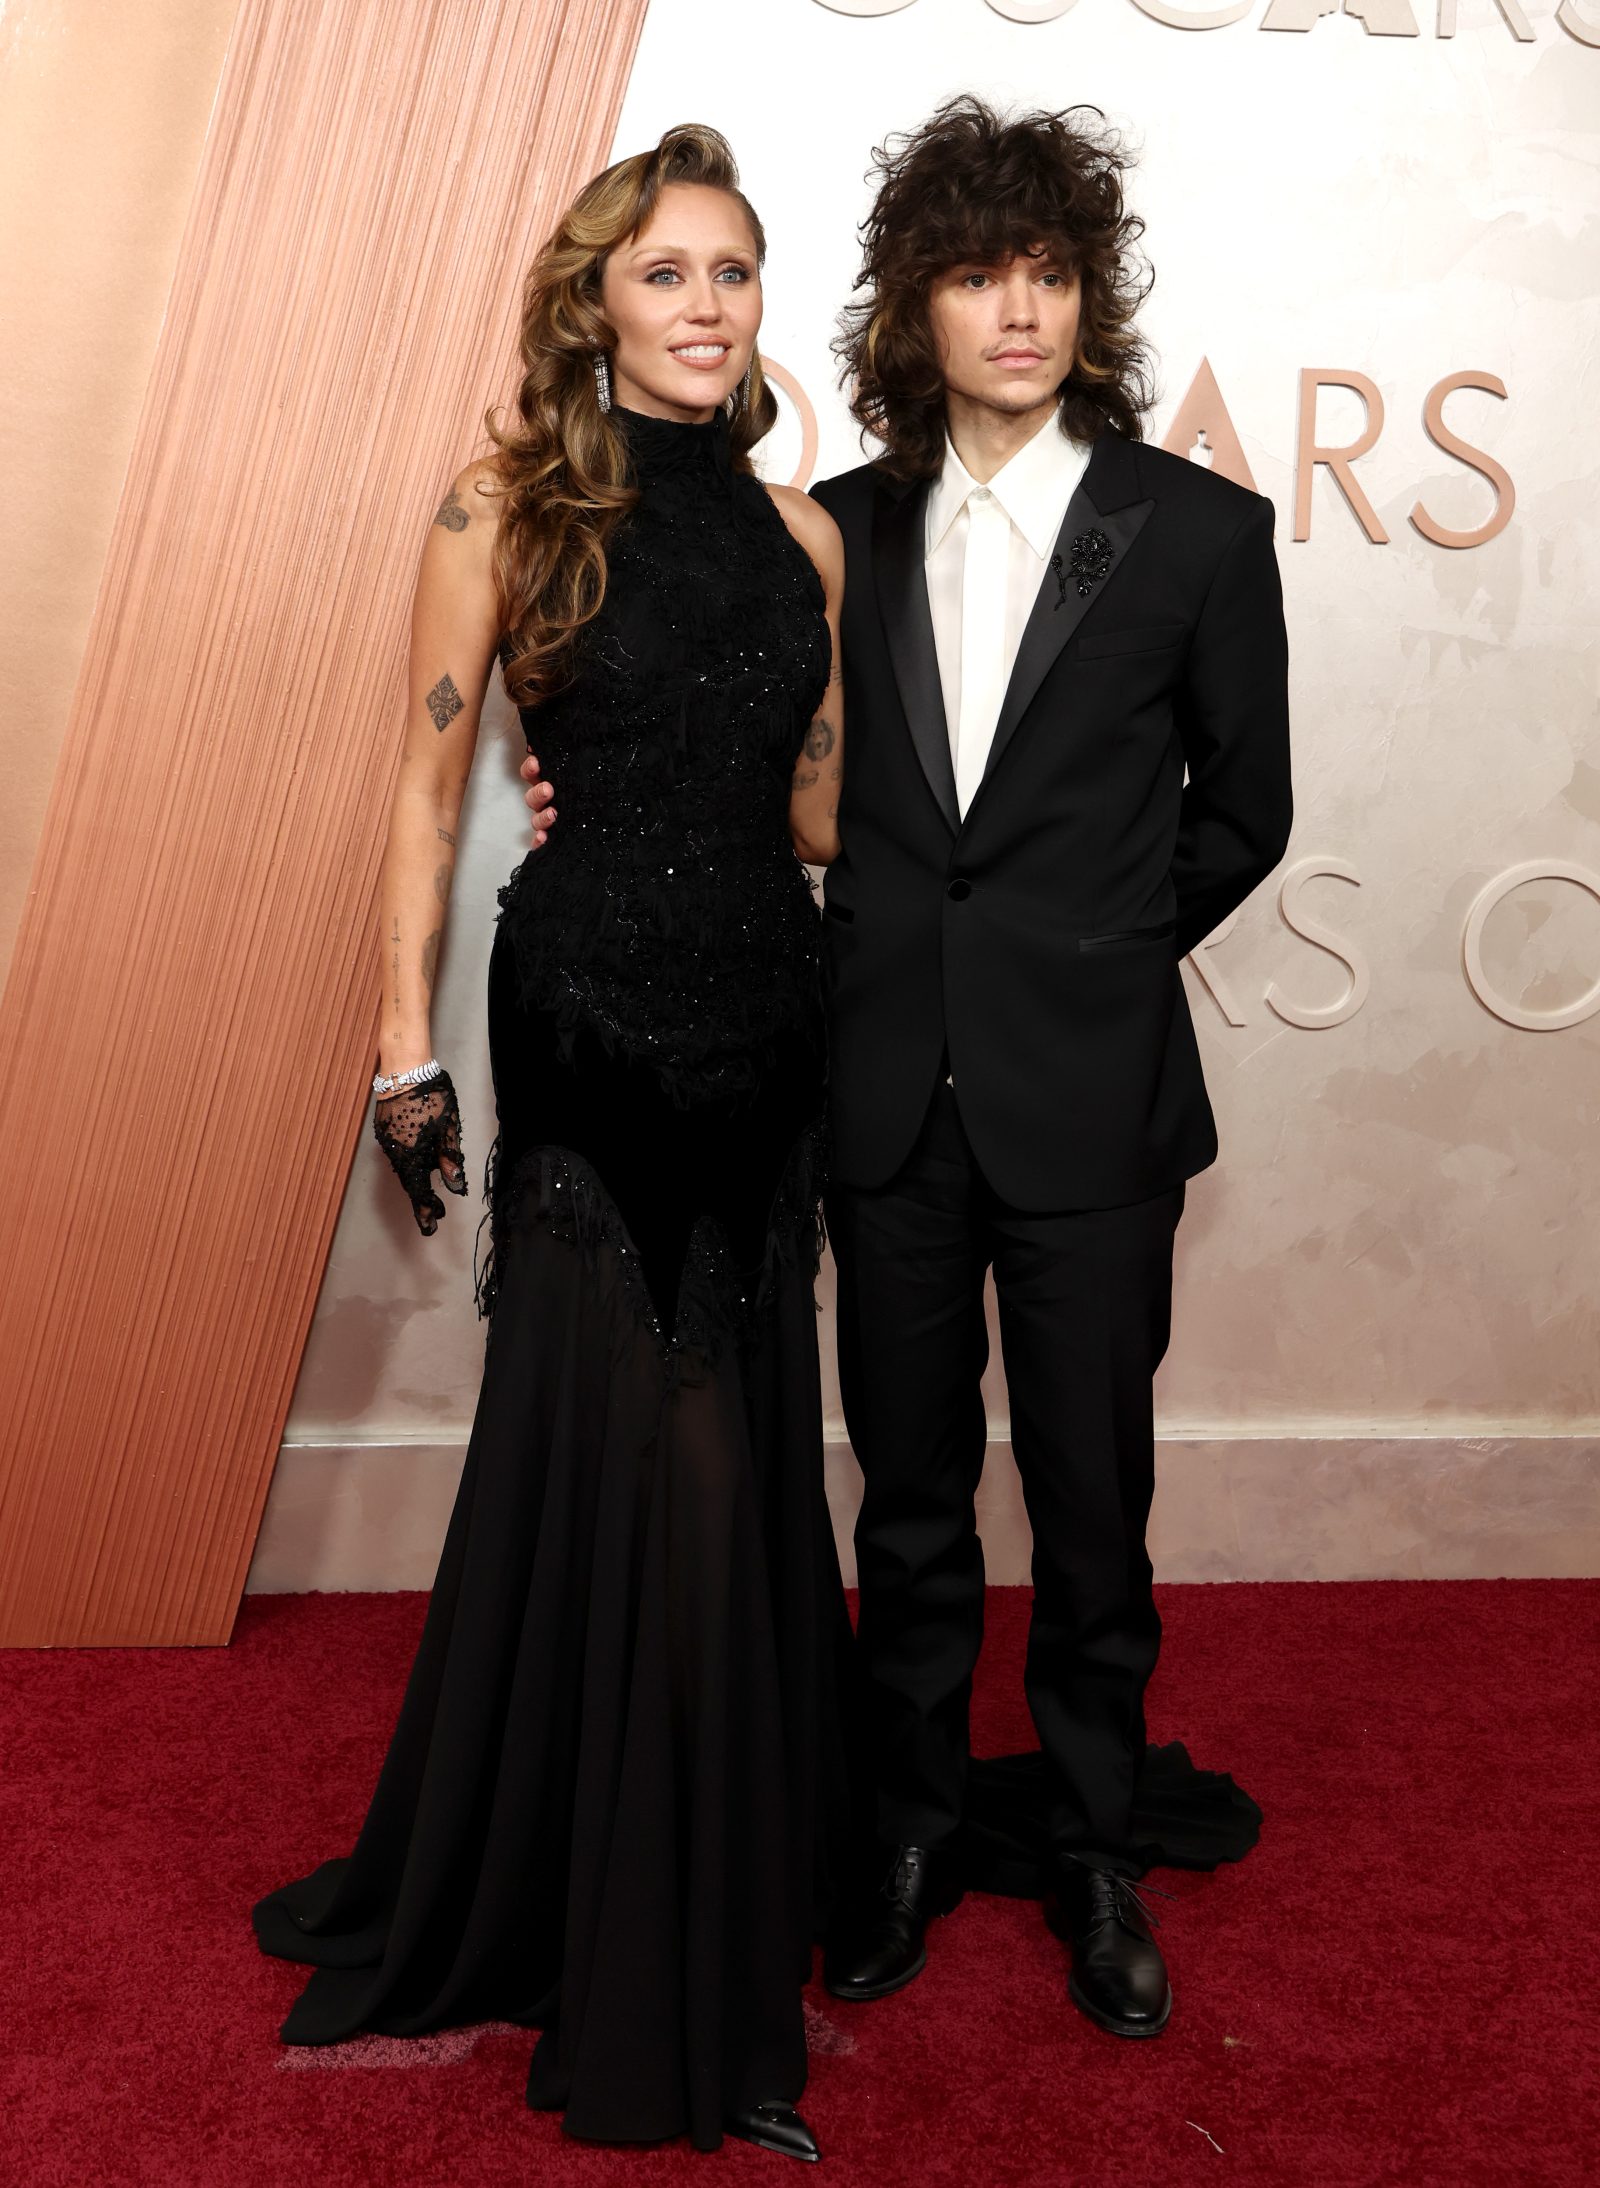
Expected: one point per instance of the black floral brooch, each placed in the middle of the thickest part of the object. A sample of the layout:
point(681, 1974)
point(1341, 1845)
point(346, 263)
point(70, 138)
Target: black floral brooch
point(1092, 556)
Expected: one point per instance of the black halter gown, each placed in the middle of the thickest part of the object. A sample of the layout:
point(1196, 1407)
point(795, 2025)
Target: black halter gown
point(611, 1804)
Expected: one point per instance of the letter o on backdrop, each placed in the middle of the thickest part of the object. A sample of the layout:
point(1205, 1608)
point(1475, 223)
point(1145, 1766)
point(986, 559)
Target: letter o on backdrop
point(1162, 11)
point(1032, 11)
point(797, 395)
point(1514, 1014)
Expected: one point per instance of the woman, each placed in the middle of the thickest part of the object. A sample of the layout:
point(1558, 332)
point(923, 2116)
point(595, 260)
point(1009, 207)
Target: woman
point(611, 1802)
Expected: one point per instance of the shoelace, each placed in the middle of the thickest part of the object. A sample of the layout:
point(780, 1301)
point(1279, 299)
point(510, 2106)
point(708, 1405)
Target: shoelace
point(904, 1871)
point(1115, 1889)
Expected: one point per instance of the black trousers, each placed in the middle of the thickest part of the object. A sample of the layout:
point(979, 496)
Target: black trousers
point(1085, 1311)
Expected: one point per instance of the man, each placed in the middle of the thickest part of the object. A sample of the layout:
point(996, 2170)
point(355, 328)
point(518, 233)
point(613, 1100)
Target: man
point(1045, 623)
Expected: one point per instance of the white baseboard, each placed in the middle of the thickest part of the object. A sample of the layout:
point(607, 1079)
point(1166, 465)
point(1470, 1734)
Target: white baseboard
point(1301, 1506)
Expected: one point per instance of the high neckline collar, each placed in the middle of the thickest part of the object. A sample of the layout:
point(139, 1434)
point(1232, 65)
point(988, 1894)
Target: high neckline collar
point(659, 445)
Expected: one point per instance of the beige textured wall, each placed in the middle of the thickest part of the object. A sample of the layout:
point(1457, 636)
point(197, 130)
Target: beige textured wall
point(103, 111)
point(1385, 1355)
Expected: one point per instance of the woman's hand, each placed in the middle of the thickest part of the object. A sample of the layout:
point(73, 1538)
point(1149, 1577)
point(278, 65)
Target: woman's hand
point(537, 799)
point(419, 1129)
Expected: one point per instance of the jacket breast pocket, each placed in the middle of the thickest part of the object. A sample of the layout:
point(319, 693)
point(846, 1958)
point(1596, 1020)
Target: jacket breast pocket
point(1144, 638)
point(1127, 938)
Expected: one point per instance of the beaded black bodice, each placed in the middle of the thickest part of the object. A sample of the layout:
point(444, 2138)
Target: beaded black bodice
point(668, 911)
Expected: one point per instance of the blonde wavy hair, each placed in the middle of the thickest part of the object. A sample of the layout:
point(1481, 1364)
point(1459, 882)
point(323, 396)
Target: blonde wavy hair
point(562, 463)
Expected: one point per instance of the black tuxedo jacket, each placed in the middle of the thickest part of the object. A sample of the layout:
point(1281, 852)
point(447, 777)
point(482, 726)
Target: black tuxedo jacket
point(1038, 940)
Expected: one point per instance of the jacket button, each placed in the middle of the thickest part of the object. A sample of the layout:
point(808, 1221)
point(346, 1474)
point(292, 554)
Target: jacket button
point(958, 890)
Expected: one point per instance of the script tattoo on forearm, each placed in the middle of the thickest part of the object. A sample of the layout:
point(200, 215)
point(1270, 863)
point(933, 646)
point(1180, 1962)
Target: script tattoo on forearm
point(430, 958)
point(451, 514)
point(444, 702)
point(394, 962)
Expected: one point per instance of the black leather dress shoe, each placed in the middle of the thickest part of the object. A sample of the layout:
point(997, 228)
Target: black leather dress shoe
point(774, 2126)
point(881, 1948)
point(1118, 1976)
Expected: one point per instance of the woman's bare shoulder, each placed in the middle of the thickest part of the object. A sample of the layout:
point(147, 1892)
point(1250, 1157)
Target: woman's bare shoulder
point(474, 497)
point(812, 527)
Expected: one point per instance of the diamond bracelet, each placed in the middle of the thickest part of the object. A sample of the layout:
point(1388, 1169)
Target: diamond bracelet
point(416, 1076)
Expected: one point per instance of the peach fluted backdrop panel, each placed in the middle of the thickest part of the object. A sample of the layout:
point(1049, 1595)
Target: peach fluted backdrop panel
point(191, 1013)
point(103, 118)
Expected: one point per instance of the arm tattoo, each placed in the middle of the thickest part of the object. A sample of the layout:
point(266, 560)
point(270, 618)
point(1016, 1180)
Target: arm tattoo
point(430, 958)
point(821, 738)
point(441, 881)
point(444, 702)
point(451, 514)
point(444, 835)
point(804, 778)
point(394, 962)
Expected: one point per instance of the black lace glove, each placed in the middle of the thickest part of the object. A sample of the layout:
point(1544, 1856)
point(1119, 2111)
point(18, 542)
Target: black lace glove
point(419, 1129)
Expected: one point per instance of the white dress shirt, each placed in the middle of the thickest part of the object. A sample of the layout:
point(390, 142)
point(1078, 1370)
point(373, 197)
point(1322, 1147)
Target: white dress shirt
point(987, 550)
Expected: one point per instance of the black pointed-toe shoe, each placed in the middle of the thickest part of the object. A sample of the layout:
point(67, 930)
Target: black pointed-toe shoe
point(1119, 1978)
point(774, 2126)
point(881, 1946)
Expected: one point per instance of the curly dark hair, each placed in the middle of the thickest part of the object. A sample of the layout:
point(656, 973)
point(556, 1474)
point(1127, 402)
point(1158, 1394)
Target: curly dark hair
point(974, 184)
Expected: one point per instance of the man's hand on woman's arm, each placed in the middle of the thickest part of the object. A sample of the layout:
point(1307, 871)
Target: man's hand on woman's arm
point(537, 798)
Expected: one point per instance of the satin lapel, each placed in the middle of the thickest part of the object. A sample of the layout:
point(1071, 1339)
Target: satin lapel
point(897, 555)
point(1104, 503)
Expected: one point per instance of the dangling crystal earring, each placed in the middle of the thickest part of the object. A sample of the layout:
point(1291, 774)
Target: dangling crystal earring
point(602, 378)
point(744, 384)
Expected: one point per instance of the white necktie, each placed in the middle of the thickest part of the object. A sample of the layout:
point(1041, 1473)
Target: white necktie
point(983, 639)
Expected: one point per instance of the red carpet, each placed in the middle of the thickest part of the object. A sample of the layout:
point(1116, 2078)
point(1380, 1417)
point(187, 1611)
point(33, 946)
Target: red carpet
point(1397, 1986)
